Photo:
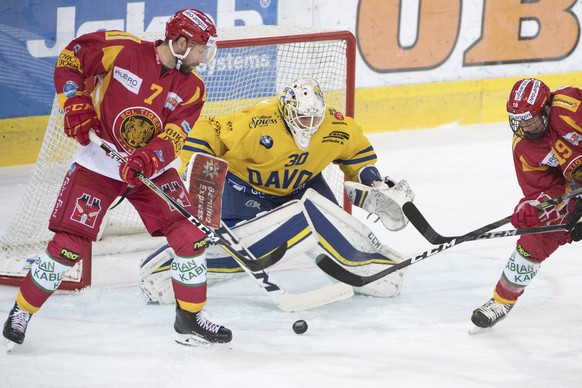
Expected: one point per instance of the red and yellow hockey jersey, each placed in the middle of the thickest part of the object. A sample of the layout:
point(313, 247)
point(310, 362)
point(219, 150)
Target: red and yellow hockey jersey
point(551, 163)
point(134, 100)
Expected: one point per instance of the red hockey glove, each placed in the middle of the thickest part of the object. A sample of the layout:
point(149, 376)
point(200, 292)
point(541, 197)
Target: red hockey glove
point(525, 217)
point(140, 162)
point(80, 117)
point(148, 161)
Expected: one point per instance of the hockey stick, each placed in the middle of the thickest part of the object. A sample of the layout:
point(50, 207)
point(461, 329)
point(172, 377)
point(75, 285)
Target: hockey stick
point(335, 270)
point(226, 240)
point(422, 225)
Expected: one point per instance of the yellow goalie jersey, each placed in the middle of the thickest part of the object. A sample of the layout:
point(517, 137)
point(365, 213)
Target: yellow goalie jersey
point(261, 151)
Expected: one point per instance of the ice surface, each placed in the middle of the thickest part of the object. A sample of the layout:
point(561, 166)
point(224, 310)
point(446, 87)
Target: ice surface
point(105, 336)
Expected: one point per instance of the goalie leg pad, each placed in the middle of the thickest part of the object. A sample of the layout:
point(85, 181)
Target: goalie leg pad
point(286, 223)
point(383, 201)
point(268, 230)
point(386, 287)
point(155, 284)
point(353, 244)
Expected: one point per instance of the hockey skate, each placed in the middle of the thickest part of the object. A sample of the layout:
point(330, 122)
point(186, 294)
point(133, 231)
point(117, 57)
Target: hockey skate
point(195, 330)
point(488, 315)
point(15, 327)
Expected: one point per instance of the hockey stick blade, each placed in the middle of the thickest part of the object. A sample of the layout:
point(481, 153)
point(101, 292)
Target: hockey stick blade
point(242, 255)
point(432, 236)
point(292, 302)
point(337, 271)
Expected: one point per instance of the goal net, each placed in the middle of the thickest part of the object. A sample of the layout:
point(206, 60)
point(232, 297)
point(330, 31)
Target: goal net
point(252, 64)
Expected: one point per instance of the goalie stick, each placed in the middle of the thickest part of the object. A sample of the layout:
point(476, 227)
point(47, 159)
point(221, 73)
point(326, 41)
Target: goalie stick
point(289, 301)
point(432, 236)
point(225, 240)
point(335, 270)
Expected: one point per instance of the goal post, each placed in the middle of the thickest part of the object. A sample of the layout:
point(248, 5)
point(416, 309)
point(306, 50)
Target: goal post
point(252, 63)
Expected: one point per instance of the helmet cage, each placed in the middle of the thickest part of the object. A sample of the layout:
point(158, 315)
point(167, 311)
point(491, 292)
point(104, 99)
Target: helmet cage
point(528, 108)
point(528, 127)
point(303, 109)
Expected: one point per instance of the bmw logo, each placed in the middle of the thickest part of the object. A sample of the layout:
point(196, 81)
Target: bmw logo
point(266, 141)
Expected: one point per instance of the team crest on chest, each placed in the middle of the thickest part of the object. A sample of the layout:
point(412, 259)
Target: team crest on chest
point(574, 169)
point(136, 127)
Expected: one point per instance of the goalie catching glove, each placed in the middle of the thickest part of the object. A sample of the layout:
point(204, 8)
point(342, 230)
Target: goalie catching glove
point(382, 197)
point(80, 117)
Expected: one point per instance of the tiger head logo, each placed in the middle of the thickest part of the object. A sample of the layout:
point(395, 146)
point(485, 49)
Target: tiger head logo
point(137, 131)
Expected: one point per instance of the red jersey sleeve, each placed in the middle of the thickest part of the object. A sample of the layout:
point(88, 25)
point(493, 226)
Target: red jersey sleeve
point(533, 162)
point(79, 60)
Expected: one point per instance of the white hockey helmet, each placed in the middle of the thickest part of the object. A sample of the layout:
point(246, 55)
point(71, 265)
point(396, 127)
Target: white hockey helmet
point(303, 109)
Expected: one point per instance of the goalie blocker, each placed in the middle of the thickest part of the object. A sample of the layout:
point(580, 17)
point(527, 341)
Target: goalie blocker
point(207, 187)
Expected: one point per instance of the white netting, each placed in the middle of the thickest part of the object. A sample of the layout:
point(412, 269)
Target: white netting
point(240, 76)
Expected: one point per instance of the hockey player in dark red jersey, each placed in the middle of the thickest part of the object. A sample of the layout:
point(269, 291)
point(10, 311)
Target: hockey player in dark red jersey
point(547, 155)
point(146, 99)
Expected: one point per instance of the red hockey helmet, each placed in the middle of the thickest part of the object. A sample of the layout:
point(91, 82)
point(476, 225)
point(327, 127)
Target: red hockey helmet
point(527, 108)
point(194, 25)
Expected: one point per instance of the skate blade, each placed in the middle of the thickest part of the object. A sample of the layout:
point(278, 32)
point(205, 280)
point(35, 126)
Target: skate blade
point(194, 341)
point(478, 330)
point(9, 345)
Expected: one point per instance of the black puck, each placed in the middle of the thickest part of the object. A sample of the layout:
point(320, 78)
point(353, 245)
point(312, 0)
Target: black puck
point(300, 327)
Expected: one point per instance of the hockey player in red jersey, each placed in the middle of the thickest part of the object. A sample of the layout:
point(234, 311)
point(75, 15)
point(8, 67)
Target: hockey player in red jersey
point(547, 154)
point(146, 100)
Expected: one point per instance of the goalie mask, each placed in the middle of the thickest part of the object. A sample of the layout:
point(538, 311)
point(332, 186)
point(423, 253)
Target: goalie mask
point(528, 108)
point(303, 108)
point(196, 27)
